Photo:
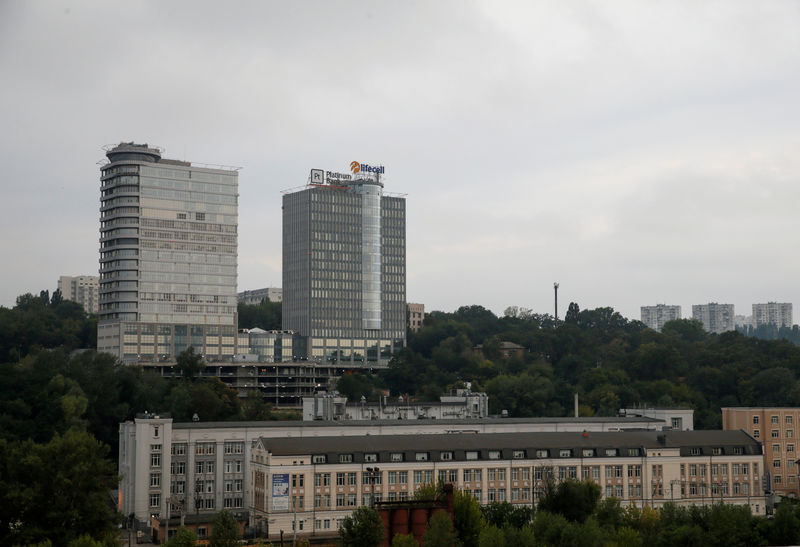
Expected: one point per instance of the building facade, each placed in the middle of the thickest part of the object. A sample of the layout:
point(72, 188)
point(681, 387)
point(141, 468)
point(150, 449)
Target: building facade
point(681, 419)
point(168, 256)
point(159, 459)
point(416, 316)
point(655, 316)
point(774, 427)
point(773, 313)
point(82, 289)
point(308, 485)
point(344, 270)
point(256, 296)
point(716, 318)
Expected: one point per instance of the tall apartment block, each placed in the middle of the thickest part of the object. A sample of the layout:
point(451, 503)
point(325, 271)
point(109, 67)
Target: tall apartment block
point(416, 316)
point(655, 316)
point(168, 250)
point(344, 270)
point(772, 313)
point(716, 318)
point(82, 289)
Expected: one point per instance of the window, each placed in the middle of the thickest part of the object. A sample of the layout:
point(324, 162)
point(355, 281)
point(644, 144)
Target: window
point(695, 451)
point(790, 433)
point(446, 456)
point(774, 419)
point(472, 455)
point(789, 448)
point(565, 453)
point(155, 460)
point(775, 434)
point(518, 454)
point(396, 457)
point(756, 433)
point(319, 458)
point(339, 500)
point(738, 450)
point(755, 419)
point(370, 458)
point(179, 449)
point(716, 451)
point(776, 448)
point(588, 452)
point(633, 452)
point(345, 458)
point(177, 468)
point(205, 449)
point(494, 454)
point(155, 500)
point(788, 420)
point(402, 477)
point(677, 423)
point(541, 453)
point(340, 479)
point(199, 216)
point(778, 479)
point(421, 456)
point(234, 448)
point(776, 464)
point(351, 479)
point(611, 452)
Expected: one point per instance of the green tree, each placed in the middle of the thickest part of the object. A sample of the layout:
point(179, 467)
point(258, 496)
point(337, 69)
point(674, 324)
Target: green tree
point(56, 491)
point(182, 538)
point(467, 518)
point(362, 528)
point(225, 530)
point(404, 540)
point(189, 363)
point(575, 500)
point(439, 532)
point(503, 514)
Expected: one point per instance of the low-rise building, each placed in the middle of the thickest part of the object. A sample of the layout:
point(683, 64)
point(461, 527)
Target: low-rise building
point(256, 296)
point(681, 419)
point(308, 485)
point(206, 465)
point(460, 404)
point(775, 427)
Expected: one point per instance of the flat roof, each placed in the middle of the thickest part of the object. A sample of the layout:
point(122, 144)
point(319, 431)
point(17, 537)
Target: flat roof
point(364, 423)
point(509, 441)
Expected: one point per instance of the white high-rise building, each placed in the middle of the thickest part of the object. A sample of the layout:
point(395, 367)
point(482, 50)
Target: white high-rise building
point(655, 316)
point(168, 251)
point(81, 289)
point(772, 313)
point(716, 318)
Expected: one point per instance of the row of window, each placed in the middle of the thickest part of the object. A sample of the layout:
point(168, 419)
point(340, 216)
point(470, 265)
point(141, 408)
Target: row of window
point(775, 433)
point(699, 469)
point(491, 455)
point(775, 419)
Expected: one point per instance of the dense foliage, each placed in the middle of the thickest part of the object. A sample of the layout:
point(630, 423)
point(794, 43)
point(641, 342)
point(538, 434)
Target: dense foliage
point(609, 361)
point(266, 315)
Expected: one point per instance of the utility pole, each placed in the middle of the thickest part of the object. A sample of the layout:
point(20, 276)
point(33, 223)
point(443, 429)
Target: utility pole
point(555, 289)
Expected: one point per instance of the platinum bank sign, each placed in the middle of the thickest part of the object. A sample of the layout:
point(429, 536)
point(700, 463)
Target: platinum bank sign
point(320, 176)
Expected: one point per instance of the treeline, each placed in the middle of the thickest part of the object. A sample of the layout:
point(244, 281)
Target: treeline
point(571, 514)
point(609, 361)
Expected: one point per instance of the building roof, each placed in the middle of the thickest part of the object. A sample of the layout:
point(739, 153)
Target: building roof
point(513, 441)
point(620, 420)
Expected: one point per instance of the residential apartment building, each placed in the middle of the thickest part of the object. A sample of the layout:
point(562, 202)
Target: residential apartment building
point(344, 268)
point(716, 318)
point(655, 316)
point(773, 313)
point(200, 464)
point(256, 296)
point(308, 485)
point(168, 250)
point(82, 289)
point(775, 428)
point(416, 316)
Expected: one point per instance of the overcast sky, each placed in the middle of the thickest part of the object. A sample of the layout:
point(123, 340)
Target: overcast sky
point(635, 152)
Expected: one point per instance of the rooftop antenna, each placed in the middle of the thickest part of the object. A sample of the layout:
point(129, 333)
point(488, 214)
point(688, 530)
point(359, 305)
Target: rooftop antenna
point(555, 290)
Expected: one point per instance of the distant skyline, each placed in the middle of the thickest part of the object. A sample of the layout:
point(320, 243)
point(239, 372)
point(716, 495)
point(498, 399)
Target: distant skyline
point(636, 152)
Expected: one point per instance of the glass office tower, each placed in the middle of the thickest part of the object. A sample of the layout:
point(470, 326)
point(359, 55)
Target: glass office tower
point(344, 271)
point(168, 251)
